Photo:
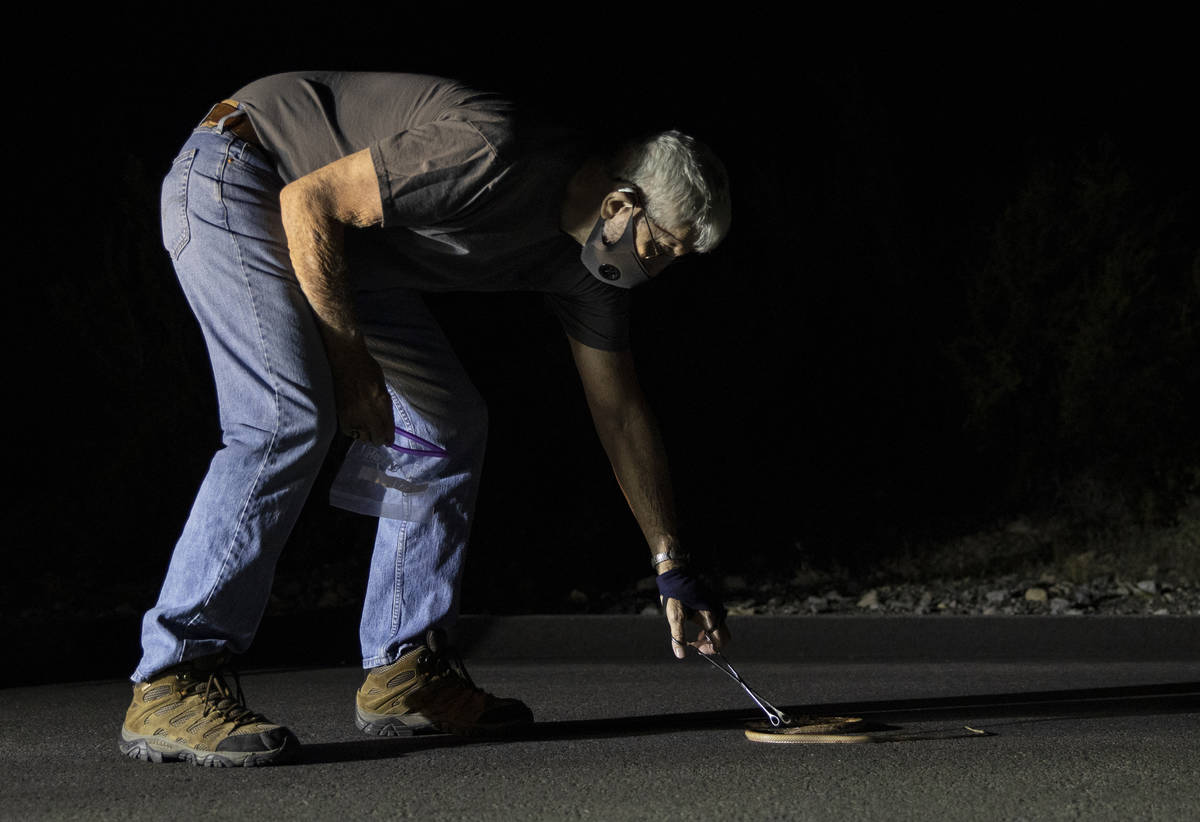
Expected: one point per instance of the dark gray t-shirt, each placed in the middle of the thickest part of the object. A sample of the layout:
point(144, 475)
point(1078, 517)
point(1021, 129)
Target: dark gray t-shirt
point(471, 193)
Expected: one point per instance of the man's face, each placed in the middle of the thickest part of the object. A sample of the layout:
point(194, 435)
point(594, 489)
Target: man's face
point(657, 246)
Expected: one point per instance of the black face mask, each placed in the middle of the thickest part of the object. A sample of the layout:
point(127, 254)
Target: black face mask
point(618, 264)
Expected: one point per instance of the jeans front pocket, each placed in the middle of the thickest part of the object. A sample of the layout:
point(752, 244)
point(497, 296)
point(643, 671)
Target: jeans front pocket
point(176, 231)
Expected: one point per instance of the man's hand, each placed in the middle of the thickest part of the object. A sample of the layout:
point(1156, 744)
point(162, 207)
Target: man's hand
point(684, 598)
point(363, 404)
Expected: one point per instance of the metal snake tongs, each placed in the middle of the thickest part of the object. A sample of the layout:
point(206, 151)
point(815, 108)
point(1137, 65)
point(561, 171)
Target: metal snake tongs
point(775, 716)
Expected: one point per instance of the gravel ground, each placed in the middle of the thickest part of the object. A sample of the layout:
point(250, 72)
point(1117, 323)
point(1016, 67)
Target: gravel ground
point(1021, 567)
point(1155, 592)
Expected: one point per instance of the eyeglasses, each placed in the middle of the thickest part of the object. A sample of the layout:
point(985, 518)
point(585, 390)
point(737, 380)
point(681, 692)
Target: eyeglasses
point(658, 249)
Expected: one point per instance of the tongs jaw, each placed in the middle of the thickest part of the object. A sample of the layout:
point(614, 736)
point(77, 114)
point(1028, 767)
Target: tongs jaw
point(776, 717)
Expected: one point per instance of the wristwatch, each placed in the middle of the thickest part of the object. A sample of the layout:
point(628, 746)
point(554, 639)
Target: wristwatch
point(661, 557)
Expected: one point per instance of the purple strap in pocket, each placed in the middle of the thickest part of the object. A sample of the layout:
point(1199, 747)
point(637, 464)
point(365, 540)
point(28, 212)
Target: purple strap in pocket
point(430, 450)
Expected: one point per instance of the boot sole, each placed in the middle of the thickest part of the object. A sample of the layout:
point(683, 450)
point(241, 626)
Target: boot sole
point(159, 750)
point(384, 725)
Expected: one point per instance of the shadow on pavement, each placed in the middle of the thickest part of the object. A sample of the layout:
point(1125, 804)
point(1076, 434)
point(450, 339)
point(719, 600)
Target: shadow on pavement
point(1129, 700)
point(880, 716)
point(327, 753)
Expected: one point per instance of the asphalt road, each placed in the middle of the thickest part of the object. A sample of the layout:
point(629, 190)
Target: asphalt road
point(1071, 737)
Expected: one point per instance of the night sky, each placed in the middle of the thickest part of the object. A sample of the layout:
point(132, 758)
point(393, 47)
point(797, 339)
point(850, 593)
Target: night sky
point(916, 220)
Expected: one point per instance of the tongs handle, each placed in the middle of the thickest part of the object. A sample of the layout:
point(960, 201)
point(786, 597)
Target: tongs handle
point(775, 716)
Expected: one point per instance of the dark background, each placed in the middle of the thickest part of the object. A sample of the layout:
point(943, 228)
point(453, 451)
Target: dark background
point(961, 284)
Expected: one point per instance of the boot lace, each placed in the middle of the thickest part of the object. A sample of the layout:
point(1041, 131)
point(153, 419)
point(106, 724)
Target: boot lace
point(459, 696)
point(219, 699)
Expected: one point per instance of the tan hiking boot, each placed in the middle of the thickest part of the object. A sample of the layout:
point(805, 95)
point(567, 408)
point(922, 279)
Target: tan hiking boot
point(429, 689)
point(188, 712)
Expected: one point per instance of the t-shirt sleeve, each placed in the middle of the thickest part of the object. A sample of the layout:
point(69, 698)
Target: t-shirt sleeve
point(436, 171)
point(598, 317)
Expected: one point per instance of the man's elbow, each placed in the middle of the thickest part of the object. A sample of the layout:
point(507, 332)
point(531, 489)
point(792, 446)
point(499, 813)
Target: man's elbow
point(297, 197)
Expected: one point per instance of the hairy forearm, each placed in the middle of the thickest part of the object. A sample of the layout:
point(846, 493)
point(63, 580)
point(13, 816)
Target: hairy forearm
point(635, 449)
point(315, 245)
point(315, 210)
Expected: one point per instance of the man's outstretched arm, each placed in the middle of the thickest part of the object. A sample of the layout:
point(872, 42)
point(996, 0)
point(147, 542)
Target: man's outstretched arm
point(630, 437)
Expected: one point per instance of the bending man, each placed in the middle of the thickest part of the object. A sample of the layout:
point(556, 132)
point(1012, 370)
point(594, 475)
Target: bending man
point(305, 217)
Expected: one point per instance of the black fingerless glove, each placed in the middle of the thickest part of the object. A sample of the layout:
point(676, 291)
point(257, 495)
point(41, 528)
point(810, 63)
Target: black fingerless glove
point(680, 584)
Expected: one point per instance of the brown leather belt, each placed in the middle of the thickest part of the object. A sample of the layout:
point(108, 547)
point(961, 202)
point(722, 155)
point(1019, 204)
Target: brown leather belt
point(239, 125)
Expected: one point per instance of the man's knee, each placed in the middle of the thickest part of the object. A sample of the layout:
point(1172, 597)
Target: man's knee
point(300, 423)
point(316, 423)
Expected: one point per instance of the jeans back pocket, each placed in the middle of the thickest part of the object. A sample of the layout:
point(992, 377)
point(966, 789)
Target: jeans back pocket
point(176, 231)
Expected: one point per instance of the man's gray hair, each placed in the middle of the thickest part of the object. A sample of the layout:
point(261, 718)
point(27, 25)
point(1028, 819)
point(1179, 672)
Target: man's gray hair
point(684, 185)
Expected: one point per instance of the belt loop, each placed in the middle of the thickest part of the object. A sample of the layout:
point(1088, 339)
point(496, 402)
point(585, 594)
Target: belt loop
point(237, 112)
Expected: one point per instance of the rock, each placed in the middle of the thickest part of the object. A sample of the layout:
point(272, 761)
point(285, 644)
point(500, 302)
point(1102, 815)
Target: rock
point(1058, 605)
point(869, 600)
point(817, 604)
point(1036, 595)
point(652, 610)
point(577, 597)
point(1148, 586)
point(996, 597)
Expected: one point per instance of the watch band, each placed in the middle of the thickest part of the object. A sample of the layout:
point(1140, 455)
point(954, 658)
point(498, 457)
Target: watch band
point(661, 557)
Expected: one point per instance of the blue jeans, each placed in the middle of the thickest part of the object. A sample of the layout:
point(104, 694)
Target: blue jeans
point(222, 228)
